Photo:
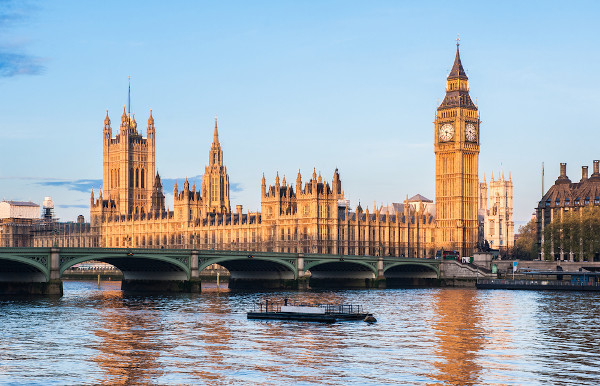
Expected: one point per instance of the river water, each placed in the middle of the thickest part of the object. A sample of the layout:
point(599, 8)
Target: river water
point(98, 335)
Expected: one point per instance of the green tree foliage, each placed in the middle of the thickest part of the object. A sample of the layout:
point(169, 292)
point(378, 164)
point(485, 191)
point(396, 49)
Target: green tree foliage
point(526, 245)
point(576, 232)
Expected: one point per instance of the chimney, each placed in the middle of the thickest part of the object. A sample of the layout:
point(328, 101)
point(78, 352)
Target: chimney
point(596, 167)
point(563, 169)
point(584, 173)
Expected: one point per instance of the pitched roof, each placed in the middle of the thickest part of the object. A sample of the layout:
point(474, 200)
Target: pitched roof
point(418, 197)
point(457, 69)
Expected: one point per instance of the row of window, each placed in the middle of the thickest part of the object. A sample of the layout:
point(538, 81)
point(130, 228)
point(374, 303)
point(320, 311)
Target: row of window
point(577, 201)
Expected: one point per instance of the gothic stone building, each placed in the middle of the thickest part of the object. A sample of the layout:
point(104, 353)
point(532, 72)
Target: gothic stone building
point(456, 144)
point(497, 217)
point(310, 217)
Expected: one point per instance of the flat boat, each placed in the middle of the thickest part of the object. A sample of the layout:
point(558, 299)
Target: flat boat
point(327, 313)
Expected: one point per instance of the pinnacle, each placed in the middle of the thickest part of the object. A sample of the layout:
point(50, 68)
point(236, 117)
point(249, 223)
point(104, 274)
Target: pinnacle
point(457, 69)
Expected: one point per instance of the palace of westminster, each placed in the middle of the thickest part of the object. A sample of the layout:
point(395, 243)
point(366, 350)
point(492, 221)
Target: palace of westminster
point(311, 216)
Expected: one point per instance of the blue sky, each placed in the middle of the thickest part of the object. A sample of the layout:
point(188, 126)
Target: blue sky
point(296, 85)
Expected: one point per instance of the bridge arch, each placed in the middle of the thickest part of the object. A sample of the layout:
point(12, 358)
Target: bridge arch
point(411, 266)
point(343, 264)
point(135, 264)
point(340, 272)
point(24, 267)
point(409, 274)
point(253, 266)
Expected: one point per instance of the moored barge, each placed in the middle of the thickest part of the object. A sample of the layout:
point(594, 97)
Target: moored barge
point(326, 313)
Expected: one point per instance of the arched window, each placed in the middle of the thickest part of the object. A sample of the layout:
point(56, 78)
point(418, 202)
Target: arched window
point(131, 178)
point(143, 185)
point(137, 178)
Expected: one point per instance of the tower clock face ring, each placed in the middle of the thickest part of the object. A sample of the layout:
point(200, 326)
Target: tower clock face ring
point(470, 132)
point(446, 132)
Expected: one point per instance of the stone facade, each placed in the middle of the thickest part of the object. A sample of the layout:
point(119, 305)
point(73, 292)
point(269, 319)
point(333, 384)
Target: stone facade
point(308, 217)
point(456, 144)
point(499, 226)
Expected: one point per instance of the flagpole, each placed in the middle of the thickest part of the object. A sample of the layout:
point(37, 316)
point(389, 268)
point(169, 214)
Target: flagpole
point(129, 103)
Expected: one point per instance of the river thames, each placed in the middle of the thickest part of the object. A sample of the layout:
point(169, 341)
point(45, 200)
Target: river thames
point(98, 335)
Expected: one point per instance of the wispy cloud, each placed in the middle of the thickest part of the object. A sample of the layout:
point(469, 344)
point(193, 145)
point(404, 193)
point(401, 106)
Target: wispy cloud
point(82, 206)
point(236, 187)
point(13, 60)
point(84, 186)
point(13, 64)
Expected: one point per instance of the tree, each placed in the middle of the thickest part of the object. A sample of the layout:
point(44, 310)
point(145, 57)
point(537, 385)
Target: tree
point(574, 232)
point(526, 245)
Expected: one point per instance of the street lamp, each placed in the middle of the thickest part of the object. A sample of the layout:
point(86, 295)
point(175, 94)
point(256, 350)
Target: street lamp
point(194, 237)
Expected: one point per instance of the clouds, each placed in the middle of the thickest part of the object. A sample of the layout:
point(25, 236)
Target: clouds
point(14, 60)
point(13, 64)
point(83, 186)
point(86, 185)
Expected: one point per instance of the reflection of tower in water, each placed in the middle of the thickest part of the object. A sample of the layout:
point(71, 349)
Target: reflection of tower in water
point(458, 329)
point(129, 345)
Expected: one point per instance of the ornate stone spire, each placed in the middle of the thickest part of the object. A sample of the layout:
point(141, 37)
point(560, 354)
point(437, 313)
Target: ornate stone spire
point(457, 69)
point(216, 133)
point(151, 119)
point(124, 117)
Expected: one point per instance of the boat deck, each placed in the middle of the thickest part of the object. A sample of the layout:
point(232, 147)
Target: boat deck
point(327, 313)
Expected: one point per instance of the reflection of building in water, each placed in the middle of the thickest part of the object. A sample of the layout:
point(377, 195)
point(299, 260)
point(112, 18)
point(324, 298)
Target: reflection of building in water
point(129, 345)
point(458, 330)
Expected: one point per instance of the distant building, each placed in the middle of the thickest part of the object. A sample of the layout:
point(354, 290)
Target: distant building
point(565, 196)
point(19, 209)
point(497, 216)
point(22, 225)
point(310, 216)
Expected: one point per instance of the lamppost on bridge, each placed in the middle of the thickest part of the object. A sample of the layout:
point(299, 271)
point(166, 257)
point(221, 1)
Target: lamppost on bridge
point(127, 241)
point(194, 238)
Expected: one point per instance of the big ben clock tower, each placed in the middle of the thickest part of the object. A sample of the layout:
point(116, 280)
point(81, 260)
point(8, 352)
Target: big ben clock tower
point(456, 165)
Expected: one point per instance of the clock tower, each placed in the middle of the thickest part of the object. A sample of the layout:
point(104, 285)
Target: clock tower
point(456, 147)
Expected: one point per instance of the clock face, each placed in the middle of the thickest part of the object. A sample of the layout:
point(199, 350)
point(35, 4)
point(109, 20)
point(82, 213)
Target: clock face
point(470, 132)
point(446, 132)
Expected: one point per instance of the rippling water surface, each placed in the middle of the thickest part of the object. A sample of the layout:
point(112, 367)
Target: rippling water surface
point(98, 335)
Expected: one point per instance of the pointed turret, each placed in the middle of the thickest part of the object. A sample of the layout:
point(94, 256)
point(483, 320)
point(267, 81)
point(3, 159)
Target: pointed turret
point(457, 90)
point(277, 179)
point(457, 72)
point(298, 182)
point(107, 120)
point(151, 120)
point(175, 189)
point(216, 133)
point(124, 117)
point(263, 186)
point(335, 183)
point(283, 182)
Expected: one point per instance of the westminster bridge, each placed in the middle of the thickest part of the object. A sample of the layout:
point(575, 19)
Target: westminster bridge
point(39, 270)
